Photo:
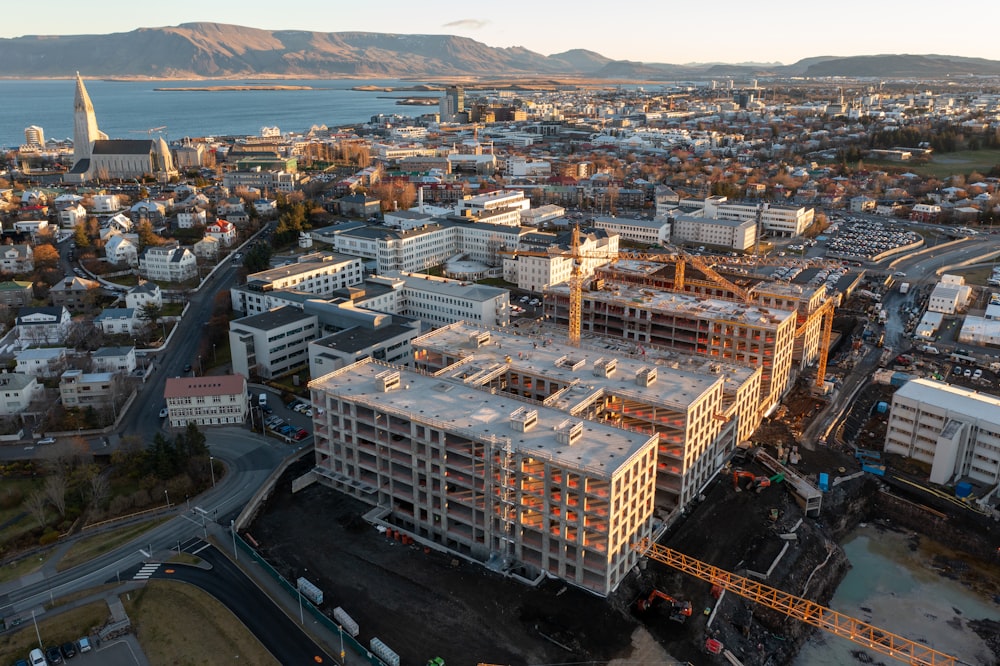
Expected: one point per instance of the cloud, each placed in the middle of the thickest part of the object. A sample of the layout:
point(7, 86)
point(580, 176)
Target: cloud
point(474, 24)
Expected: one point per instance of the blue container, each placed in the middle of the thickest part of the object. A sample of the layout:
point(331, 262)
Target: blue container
point(824, 481)
point(963, 489)
point(882, 407)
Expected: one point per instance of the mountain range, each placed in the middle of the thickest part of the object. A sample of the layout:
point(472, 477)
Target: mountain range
point(217, 50)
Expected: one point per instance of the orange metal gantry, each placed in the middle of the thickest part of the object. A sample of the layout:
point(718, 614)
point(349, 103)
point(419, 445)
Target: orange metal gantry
point(810, 612)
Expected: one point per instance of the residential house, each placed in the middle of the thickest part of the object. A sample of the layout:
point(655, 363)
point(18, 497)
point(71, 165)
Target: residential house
point(190, 218)
point(117, 321)
point(89, 389)
point(75, 293)
point(360, 205)
point(142, 294)
point(153, 211)
point(119, 250)
point(168, 263)
point(223, 231)
point(71, 215)
point(17, 259)
point(15, 293)
point(102, 204)
point(265, 207)
point(41, 361)
point(17, 391)
point(120, 360)
point(206, 248)
point(43, 325)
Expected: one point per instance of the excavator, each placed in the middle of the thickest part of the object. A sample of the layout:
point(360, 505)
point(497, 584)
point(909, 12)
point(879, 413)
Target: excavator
point(750, 481)
point(679, 610)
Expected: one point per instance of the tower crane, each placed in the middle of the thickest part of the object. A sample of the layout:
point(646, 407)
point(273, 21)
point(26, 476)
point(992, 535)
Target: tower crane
point(810, 612)
point(150, 131)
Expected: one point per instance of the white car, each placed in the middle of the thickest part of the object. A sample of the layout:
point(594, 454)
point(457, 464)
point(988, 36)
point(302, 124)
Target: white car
point(525, 299)
point(46, 440)
point(164, 412)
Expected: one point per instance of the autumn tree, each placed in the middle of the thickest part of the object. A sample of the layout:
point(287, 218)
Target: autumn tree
point(36, 504)
point(55, 492)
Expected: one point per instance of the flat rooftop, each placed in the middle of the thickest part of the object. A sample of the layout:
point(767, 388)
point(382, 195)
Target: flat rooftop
point(454, 406)
point(675, 387)
point(299, 268)
point(969, 403)
point(686, 304)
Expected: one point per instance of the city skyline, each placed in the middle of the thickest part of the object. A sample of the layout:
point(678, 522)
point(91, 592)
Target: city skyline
point(649, 32)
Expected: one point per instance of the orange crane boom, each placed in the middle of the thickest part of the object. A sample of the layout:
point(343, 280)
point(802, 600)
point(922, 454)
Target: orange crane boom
point(810, 612)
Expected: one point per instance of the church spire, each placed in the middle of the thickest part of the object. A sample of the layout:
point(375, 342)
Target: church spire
point(85, 130)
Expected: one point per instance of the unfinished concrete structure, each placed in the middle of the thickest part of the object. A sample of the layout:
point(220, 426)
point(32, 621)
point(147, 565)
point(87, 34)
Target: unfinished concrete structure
point(524, 487)
point(699, 408)
point(719, 329)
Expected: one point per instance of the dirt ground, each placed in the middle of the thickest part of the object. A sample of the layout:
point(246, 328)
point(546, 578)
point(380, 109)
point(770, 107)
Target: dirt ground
point(425, 605)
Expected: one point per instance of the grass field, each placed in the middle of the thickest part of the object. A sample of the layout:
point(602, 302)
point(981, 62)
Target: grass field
point(91, 547)
point(22, 567)
point(205, 627)
point(55, 630)
point(12, 523)
point(943, 165)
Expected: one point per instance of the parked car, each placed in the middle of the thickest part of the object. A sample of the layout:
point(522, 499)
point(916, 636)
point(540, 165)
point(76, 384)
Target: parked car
point(53, 655)
point(187, 368)
point(300, 434)
point(68, 650)
point(977, 374)
point(525, 299)
point(292, 405)
point(164, 412)
point(967, 373)
point(84, 644)
point(37, 657)
point(46, 440)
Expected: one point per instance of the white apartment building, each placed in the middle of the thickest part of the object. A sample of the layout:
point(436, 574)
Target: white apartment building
point(114, 360)
point(272, 343)
point(318, 274)
point(117, 321)
point(647, 232)
point(259, 179)
point(168, 263)
point(739, 235)
point(88, 389)
point(189, 218)
point(503, 207)
point(554, 265)
point(45, 362)
point(953, 429)
point(17, 390)
point(498, 478)
point(414, 249)
point(390, 343)
point(103, 204)
point(19, 258)
point(785, 221)
point(949, 295)
point(208, 400)
point(521, 167)
point(439, 301)
point(144, 293)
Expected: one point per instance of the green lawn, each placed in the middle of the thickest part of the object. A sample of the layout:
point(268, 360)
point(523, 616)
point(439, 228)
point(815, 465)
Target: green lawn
point(943, 165)
point(90, 547)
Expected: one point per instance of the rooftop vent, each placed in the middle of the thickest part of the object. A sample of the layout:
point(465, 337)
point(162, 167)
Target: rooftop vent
point(523, 419)
point(568, 432)
point(605, 367)
point(479, 339)
point(645, 376)
point(570, 363)
point(388, 380)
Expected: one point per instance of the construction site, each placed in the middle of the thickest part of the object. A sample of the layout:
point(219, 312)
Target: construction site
point(633, 489)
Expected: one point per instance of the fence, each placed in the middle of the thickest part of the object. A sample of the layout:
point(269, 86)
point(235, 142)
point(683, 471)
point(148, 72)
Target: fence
point(318, 615)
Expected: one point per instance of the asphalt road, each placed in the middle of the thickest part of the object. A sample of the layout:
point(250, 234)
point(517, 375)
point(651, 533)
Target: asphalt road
point(250, 459)
point(283, 637)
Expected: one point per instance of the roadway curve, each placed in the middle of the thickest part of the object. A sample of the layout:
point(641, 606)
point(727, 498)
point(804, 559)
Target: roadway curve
point(280, 634)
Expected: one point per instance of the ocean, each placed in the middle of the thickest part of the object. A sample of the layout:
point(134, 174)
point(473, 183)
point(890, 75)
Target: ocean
point(128, 109)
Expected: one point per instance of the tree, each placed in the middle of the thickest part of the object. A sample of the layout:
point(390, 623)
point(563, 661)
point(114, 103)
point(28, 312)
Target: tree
point(148, 237)
point(35, 503)
point(100, 489)
point(258, 258)
point(80, 236)
point(55, 492)
point(150, 313)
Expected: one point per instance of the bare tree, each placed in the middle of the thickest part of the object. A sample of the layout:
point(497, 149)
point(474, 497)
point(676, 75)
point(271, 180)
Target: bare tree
point(100, 489)
point(36, 503)
point(55, 492)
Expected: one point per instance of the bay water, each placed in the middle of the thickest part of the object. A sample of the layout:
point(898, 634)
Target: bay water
point(127, 109)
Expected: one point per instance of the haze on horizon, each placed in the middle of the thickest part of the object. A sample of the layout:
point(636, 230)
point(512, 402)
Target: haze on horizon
point(725, 31)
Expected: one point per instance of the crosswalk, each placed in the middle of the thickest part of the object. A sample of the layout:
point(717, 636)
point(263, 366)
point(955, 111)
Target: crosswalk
point(146, 571)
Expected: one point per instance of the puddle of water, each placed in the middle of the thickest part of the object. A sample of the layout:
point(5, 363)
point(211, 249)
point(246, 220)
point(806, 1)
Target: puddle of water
point(904, 597)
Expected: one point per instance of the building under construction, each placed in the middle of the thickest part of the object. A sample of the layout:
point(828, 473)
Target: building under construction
point(726, 330)
point(531, 456)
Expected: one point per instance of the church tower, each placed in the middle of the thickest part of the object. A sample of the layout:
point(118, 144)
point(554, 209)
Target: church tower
point(85, 130)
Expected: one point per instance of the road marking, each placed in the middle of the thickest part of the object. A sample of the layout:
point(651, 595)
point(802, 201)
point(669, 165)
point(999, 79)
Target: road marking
point(201, 549)
point(146, 571)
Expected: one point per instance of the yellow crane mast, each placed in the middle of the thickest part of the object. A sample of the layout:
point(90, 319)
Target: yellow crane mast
point(810, 612)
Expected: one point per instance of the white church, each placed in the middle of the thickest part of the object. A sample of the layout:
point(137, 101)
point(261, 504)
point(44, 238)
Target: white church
point(96, 157)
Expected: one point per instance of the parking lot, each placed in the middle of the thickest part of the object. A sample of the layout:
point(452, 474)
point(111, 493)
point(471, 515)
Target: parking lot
point(866, 238)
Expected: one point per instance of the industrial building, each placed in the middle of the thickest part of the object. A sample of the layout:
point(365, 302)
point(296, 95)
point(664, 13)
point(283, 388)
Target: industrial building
point(718, 329)
point(529, 455)
point(953, 429)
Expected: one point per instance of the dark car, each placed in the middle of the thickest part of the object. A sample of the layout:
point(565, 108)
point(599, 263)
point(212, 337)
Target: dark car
point(68, 650)
point(291, 405)
point(53, 655)
point(187, 368)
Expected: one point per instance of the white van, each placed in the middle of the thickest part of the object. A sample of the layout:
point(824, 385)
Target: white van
point(262, 400)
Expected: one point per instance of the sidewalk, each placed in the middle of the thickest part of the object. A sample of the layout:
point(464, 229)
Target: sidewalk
point(330, 640)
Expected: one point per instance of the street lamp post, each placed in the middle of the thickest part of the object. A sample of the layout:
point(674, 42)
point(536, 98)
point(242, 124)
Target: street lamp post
point(167, 495)
point(211, 466)
point(37, 633)
point(232, 528)
point(298, 588)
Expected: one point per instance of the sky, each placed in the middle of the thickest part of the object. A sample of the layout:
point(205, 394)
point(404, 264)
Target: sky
point(662, 31)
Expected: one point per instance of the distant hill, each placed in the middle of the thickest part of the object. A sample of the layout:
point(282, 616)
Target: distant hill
point(216, 50)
